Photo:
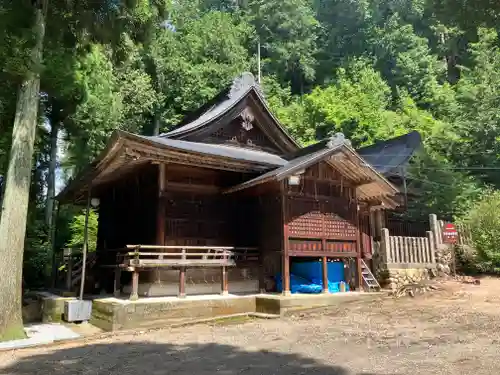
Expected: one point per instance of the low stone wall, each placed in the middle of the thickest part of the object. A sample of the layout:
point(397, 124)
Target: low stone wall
point(397, 277)
point(51, 307)
point(444, 258)
point(111, 314)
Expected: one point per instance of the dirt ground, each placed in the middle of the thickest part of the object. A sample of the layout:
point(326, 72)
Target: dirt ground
point(454, 331)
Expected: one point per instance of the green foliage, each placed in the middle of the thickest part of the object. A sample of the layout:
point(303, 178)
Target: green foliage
point(478, 118)
point(193, 64)
point(112, 97)
point(484, 223)
point(77, 228)
point(287, 31)
point(435, 187)
point(372, 69)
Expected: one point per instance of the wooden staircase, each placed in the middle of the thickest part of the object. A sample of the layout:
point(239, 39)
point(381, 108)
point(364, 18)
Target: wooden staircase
point(76, 274)
point(370, 283)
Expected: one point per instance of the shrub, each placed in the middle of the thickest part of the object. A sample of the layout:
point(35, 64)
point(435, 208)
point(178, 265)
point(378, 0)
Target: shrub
point(484, 222)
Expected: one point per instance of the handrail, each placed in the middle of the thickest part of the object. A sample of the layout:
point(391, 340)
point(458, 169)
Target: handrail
point(188, 247)
point(225, 255)
point(225, 252)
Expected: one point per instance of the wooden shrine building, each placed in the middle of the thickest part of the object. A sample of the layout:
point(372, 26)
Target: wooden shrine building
point(392, 159)
point(227, 200)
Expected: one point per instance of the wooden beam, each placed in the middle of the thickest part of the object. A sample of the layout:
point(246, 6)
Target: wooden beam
point(358, 271)
point(359, 250)
point(182, 262)
point(182, 282)
point(198, 188)
point(224, 285)
point(117, 283)
point(325, 275)
point(262, 281)
point(286, 242)
point(160, 216)
point(134, 296)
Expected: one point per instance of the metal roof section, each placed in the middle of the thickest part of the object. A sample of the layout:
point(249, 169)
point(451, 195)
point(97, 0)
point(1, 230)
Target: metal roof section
point(390, 157)
point(239, 153)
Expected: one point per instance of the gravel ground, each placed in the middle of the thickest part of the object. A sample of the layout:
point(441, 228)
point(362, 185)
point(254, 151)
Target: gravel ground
point(454, 331)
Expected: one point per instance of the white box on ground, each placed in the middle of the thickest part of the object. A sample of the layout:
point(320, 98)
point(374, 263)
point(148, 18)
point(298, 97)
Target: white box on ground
point(77, 310)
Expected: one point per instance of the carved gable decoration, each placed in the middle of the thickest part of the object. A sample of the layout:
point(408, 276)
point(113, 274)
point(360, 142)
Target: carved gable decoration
point(243, 131)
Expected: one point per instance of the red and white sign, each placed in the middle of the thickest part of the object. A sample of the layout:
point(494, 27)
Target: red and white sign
point(450, 233)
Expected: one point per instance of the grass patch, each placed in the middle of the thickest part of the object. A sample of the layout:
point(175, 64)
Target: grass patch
point(232, 320)
point(13, 333)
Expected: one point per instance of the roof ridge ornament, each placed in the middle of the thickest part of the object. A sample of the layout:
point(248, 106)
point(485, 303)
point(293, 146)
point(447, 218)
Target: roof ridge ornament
point(243, 83)
point(338, 139)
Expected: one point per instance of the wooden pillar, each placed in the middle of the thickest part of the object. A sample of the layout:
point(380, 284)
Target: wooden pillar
point(359, 251)
point(69, 274)
point(435, 229)
point(182, 282)
point(286, 275)
point(285, 257)
point(262, 281)
point(385, 246)
point(359, 273)
point(432, 247)
point(224, 286)
point(160, 215)
point(325, 275)
point(134, 296)
point(117, 284)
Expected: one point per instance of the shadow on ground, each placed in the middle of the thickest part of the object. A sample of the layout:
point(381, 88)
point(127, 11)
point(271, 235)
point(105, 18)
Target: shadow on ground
point(157, 359)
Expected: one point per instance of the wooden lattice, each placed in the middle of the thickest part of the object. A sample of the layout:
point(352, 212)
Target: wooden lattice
point(315, 219)
point(301, 245)
point(340, 247)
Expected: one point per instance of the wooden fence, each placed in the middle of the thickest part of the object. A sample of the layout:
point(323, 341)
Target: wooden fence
point(410, 252)
point(464, 234)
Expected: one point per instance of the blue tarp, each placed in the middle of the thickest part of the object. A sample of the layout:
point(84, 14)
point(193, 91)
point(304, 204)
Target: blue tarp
point(313, 271)
point(299, 285)
point(307, 277)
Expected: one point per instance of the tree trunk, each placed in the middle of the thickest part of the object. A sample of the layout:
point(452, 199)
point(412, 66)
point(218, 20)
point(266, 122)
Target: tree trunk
point(51, 176)
point(156, 122)
point(51, 188)
point(16, 198)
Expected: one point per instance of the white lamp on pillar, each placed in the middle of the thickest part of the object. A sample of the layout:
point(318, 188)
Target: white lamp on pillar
point(94, 202)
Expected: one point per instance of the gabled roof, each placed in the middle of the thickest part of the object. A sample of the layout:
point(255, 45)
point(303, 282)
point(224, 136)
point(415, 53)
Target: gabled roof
point(337, 151)
point(226, 100)
point(390, 157)
point(125, 151)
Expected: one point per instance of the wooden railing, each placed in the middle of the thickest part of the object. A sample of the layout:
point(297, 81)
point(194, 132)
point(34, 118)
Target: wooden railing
point(412, 252)
point(178, 257)
point(464, 235)
point(192, 256)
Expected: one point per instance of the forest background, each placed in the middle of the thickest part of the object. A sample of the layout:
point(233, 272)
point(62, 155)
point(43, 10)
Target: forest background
point(372, 69)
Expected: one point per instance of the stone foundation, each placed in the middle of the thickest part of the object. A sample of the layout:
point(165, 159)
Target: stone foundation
point(112, 314)
point(444, 258)
point(402, 276)
point(201, 281)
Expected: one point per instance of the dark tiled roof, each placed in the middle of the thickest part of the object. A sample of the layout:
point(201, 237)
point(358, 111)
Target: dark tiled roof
point(220, 150)
point(390, 156)
point(223, 102)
